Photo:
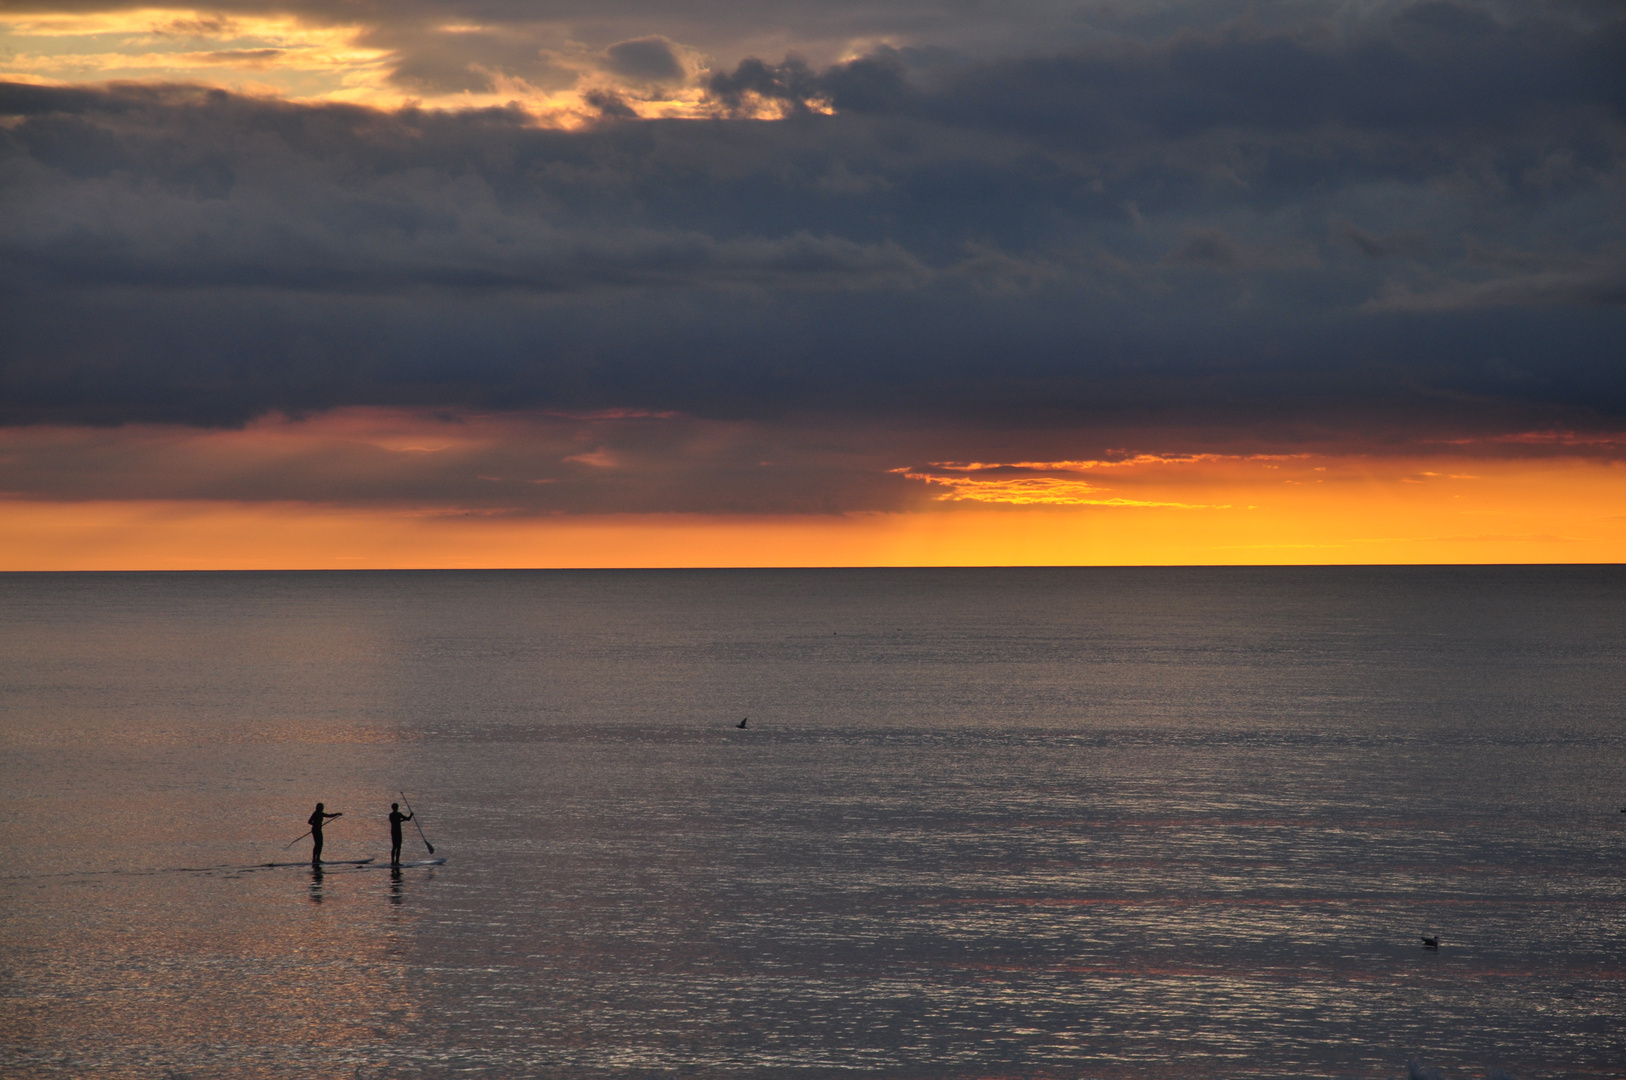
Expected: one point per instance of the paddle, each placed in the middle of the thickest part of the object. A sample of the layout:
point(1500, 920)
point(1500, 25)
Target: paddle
point(307, 832)
point(415, 821)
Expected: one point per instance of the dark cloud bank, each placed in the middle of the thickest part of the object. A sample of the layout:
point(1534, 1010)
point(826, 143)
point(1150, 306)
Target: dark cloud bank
point(1404, 229)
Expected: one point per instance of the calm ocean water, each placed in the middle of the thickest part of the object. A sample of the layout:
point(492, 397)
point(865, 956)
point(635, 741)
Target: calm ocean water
point(982, 823)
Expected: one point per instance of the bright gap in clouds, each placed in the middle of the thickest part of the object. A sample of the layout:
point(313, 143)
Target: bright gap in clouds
point(277, 54)
point(541, 68)
point(383, 489)
point(1554, 514)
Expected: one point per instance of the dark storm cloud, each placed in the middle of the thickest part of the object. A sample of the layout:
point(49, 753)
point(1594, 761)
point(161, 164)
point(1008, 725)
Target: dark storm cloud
point(522, 465)
point(650, 59)
point(430, 60)
point(1283, 228)
point(1413, 244)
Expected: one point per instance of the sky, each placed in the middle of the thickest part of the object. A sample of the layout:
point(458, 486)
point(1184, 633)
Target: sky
point(902, 282)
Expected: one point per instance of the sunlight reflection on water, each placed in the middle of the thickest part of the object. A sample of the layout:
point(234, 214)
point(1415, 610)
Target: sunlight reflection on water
point(1001, 823)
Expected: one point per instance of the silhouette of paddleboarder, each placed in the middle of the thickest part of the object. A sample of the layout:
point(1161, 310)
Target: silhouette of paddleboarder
point(396, 817)
point(316, 821)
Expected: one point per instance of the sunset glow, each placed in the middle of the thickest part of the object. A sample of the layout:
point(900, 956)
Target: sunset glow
point(1147, 509)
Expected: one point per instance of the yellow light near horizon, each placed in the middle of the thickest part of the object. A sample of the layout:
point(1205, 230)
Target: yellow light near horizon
point(1565, 510)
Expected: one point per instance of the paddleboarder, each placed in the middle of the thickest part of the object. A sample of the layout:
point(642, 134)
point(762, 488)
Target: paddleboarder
point(396, 817)
point(316, 821)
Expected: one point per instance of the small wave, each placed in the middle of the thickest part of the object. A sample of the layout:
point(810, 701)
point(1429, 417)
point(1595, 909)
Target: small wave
point(1417, 1070)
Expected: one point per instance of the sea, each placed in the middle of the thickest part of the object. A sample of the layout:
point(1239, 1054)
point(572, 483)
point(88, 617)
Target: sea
point(978, 823)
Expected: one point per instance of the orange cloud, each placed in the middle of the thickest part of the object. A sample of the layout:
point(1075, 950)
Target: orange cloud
point(1127, 461)
point(1030, 491)
point(1023, 483)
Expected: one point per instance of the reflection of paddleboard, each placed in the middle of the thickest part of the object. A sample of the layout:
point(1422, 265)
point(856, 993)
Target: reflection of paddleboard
point(324, 862)
point(410, 865)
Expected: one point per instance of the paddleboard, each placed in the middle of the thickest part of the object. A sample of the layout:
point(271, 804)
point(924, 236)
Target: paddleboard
point(324, 862)
point(409, 865)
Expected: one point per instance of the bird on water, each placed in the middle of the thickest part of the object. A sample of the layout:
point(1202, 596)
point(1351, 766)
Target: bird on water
point(1431, 942)
point(742, 722)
